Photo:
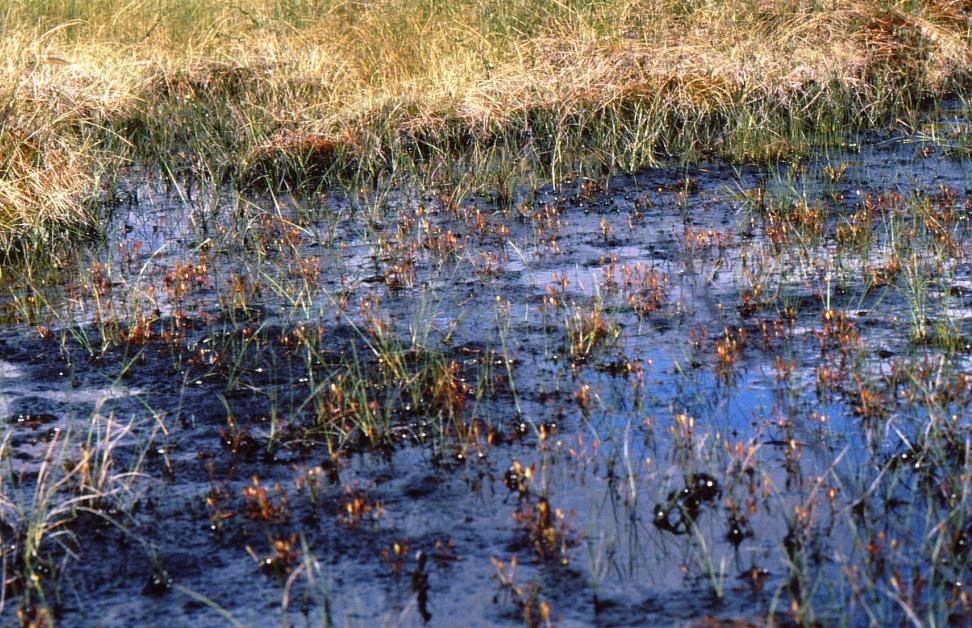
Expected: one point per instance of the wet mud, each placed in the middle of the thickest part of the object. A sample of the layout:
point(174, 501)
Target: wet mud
point(701, 394)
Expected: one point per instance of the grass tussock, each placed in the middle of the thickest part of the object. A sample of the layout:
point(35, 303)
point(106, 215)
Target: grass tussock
point(305, 89)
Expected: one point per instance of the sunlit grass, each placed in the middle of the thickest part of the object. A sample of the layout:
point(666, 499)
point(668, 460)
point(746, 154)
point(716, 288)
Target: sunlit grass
point(301, 90)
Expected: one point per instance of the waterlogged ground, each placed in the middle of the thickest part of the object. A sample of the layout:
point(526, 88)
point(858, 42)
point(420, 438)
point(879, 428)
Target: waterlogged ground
point(692, 395)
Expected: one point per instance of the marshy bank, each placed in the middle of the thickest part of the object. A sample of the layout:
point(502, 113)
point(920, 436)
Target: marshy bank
point(518, 312)
point(479, 94)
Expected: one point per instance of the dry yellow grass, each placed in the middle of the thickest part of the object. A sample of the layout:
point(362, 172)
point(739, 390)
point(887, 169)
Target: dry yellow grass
point(350, 78)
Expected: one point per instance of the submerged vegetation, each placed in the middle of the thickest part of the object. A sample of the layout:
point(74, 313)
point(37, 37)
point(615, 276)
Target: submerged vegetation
point(602, 312)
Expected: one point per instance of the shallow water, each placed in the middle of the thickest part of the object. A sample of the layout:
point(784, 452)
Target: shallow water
point(799, 482)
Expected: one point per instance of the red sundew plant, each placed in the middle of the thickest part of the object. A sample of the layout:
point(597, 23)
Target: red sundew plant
point(857, 230)
point(283, 559)
point(783, 368)
point(259, 506)
point(884, 274)
point(837, 333)
point(706, 241)
point(683, 432)
point(442, 244)
point(771, 331)
point(536, 612)
point(395, 556)
point(128, 252)
point(185, 277)
point(830, 375)
point(868, 402)
point(586, 331)
point(218, 515)
point(644, 288)
point(583, 398)
point(728, 348)
point(357, 508)
point(518, 477)
point(546, 529)
point(589, 188)
point(101, 279)
point(138, 332)
point(608, 276)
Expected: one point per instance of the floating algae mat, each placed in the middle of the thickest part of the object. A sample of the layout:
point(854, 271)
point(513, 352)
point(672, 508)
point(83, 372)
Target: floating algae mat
point(706, 394)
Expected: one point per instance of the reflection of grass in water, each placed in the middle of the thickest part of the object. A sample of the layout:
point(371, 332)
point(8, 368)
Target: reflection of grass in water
point(351, 90)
